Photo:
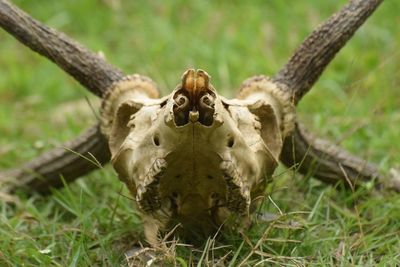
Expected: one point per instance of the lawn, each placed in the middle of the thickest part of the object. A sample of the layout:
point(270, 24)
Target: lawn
point(91, 222)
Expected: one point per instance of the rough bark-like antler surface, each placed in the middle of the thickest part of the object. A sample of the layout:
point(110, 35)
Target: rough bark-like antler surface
point(330, 163)
point(320, 47)
point(333, 162)
point(87, 68)
point(69, 160)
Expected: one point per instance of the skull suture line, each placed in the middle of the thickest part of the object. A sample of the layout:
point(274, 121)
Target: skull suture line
point(194, 157)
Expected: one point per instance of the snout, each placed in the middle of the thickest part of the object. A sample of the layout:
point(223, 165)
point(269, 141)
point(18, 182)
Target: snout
point(194, 101)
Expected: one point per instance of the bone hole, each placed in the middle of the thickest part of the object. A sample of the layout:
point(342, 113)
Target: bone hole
point(210, 177)
point(214, 195)
point(231, 142)
point(156, 140)
point(174, 194)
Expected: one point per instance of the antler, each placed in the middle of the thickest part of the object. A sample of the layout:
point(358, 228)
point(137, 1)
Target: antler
point(320, 47)
point(321, 158)
point(89, 69)
point(71, 160)
point(325, 160)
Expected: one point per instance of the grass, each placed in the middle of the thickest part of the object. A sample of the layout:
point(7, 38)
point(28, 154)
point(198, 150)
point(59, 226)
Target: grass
point(91, 223)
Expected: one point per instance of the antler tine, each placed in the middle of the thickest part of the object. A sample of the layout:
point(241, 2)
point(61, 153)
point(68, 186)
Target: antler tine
point(70, 161)
point(87, 68)
point(314, 54)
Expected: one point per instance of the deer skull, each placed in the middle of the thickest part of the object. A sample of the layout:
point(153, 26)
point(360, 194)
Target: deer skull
point(194, 157)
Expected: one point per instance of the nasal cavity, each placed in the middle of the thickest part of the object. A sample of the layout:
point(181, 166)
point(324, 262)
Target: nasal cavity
point(194, 101)
point(181, 109)
point(206, 108)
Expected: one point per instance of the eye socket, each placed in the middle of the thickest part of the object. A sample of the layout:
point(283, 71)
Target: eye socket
point(231, 142)
point(156, 140)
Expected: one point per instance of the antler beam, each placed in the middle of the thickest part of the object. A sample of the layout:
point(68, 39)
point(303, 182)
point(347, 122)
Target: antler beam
point(330, 163)
point(89, 69)
point(70, 160)
point(320, 47)
point(324, 160)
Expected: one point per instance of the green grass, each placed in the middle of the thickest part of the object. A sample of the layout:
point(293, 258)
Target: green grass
point(91, 223)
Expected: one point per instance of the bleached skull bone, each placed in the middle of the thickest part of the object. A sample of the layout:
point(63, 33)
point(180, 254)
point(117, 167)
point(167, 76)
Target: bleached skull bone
point(194, 157)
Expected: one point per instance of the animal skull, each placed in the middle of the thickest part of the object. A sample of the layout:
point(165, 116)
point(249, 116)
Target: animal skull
point(195, 157)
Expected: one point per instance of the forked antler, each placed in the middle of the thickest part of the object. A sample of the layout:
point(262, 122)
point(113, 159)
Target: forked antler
point(297, 77)
point(89, 69)
point(318, 157)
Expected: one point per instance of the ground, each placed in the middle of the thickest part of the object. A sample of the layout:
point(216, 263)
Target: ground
point(356, 103)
